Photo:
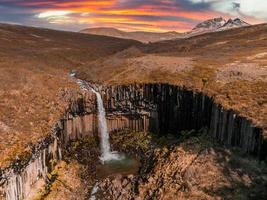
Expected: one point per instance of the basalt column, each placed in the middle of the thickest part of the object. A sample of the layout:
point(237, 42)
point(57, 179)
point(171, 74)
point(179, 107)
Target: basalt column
point(26, 175)
point(164, 109)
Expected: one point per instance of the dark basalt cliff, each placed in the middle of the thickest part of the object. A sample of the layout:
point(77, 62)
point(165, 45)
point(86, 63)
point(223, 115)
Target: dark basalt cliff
point(164, 109)
point(25, 176)
point(158, 108)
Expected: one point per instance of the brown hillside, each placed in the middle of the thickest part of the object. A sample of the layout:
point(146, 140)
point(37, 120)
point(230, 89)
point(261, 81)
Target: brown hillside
point(229, 65)
point(141, 36)
point(34, 67)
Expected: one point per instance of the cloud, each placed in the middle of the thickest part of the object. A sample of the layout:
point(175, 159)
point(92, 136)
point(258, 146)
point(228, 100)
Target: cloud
point(57, 17)
point(255, 8)
point(154, 15)
point(54, 14)
point(252, 10)
point(236, 6)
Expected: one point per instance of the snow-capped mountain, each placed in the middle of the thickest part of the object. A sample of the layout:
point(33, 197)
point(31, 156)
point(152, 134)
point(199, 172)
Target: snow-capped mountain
point(216, 24)
point(233, 23)
point(209, 25)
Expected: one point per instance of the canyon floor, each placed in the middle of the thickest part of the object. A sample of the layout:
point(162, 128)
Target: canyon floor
point(189, 167)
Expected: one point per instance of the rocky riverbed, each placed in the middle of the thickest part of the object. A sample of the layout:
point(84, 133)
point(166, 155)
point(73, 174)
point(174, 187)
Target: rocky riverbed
point(192, 166)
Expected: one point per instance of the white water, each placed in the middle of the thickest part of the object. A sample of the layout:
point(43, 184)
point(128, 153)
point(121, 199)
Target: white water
point(94, 191)
point(107, 154)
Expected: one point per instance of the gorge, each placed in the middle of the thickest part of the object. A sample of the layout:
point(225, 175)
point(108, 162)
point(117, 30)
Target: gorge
point(153, 108)
point(189, 115)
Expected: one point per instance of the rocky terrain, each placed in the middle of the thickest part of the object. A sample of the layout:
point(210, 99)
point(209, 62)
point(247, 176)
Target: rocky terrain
point(190, 167)
point(43, 109)
point(197, 169)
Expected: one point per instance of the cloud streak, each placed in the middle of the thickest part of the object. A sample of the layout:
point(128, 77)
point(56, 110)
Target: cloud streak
point(149, 15)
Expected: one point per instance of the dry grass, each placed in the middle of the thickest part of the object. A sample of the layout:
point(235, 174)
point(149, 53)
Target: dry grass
point(67, 185)
point(34, 64)
point(31, 102)
point(229, 65)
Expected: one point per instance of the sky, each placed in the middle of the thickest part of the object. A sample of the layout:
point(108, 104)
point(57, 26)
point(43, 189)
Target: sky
point(128, 15)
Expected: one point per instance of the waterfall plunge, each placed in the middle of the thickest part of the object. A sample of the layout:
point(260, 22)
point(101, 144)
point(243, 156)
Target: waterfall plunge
point(107, 154)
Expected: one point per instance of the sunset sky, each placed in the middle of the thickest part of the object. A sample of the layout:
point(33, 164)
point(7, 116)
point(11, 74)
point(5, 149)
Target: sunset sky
point(147, 15)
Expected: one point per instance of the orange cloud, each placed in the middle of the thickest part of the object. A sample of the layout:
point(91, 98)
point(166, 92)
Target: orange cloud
point(158, 15)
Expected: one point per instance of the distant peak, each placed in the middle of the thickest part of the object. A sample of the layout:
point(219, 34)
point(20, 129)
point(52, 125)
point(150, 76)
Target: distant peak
point(237, 20)
point(218, 24)
point(234, 23)
point(210, 23)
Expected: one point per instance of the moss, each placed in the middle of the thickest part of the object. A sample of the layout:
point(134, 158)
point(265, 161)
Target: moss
point(51, 178)
point(132, 142)
point(74, 145)
point(53, 163)
point(205, 81)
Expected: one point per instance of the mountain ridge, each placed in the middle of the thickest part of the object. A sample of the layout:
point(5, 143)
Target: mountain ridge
point(210, 25)
point(217, 24)
point(141, 36)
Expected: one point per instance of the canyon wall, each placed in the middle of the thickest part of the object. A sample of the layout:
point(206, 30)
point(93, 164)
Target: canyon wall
point(165, 109)
point(27, 175)
point(158, 108)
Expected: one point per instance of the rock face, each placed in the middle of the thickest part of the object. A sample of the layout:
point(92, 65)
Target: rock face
point(26, 176)
point(199, 168)
point(163, 109)
point(159, 108)
point(119, 188)
point(23, 177)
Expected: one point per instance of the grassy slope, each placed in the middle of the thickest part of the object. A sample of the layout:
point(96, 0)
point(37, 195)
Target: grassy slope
point(205, 55)
point(33, 80)
point(34, 63)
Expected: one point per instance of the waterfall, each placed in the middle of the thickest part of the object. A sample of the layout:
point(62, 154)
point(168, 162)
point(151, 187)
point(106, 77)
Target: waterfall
point(94, 191)
point(107, 154)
